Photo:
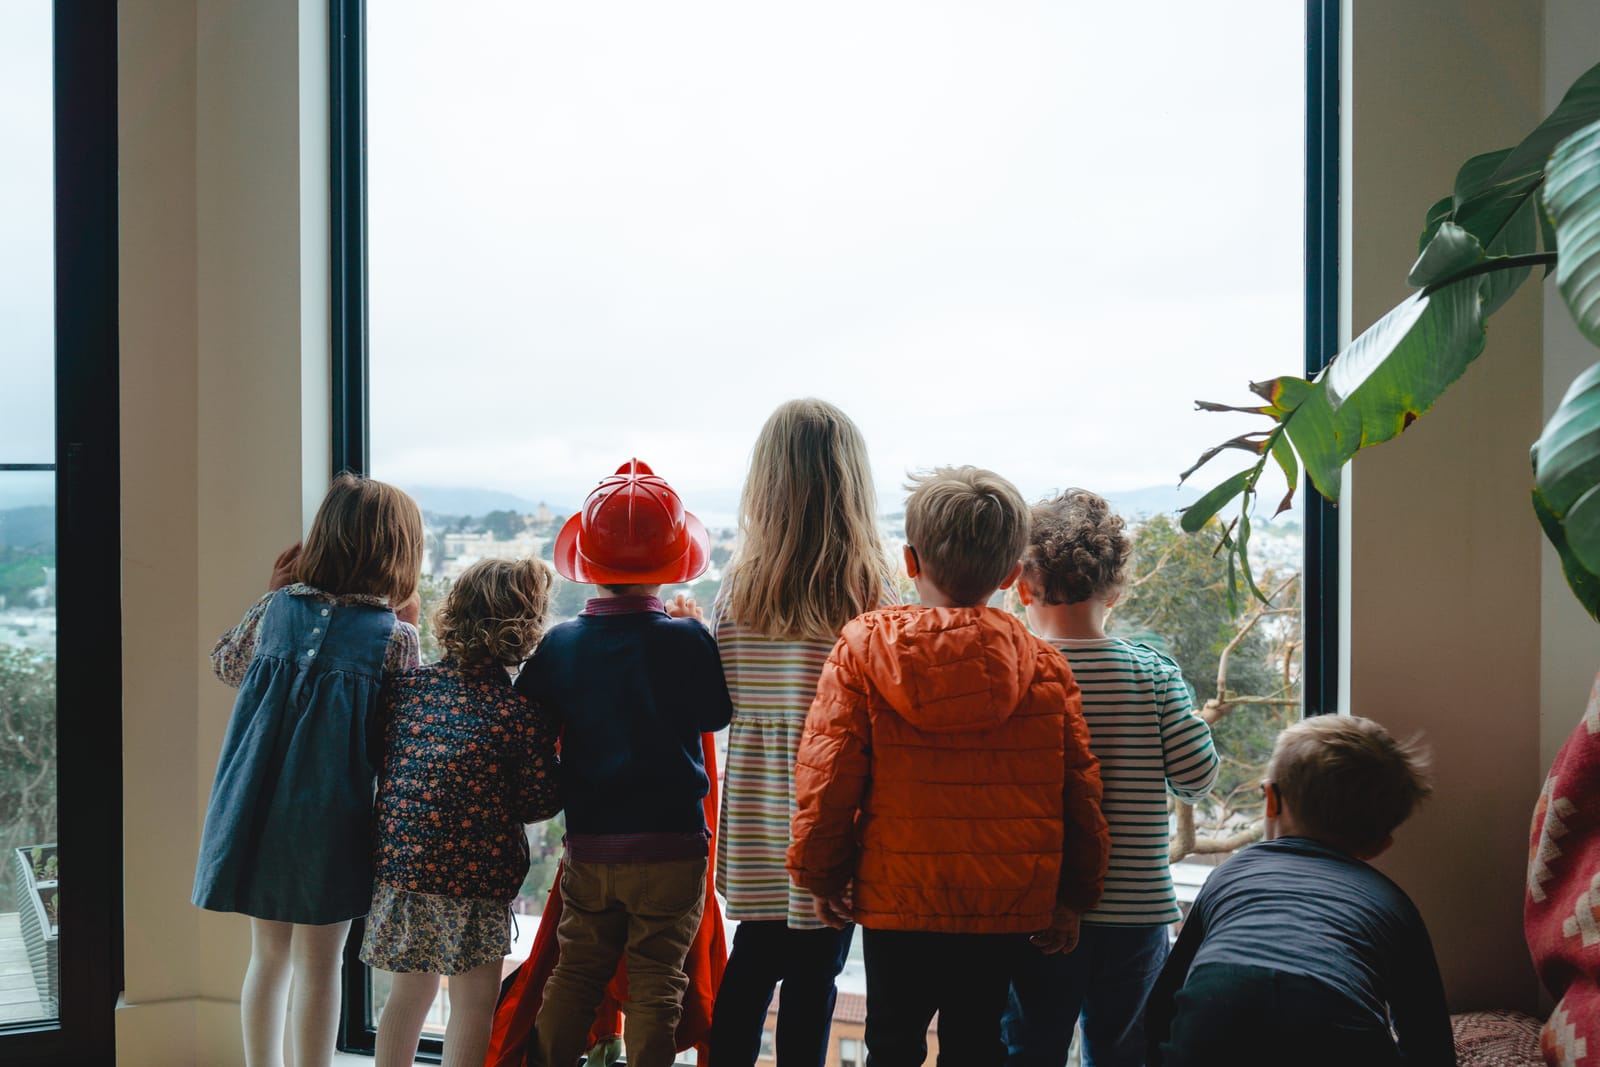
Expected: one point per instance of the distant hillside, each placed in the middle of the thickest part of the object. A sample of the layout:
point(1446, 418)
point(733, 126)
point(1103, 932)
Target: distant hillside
point(456, 500)
point(1152, 500)
point(24, 527)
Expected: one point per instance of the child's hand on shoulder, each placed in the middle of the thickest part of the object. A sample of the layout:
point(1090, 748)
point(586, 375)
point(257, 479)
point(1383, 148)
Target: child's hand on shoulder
point(1061, 935)
point(683, 606)
point(284, 567)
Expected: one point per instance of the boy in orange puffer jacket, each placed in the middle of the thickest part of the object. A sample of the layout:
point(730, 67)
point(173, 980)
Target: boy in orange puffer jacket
point(948, 800)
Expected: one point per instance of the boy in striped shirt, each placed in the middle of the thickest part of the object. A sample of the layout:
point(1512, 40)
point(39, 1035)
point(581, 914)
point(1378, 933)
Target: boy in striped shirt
point(1143, 728)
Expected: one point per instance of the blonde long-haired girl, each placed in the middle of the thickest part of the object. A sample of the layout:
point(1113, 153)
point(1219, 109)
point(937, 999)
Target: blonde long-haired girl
point(809, 559)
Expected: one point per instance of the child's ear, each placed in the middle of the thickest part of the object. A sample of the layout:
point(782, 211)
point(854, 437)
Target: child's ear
point(1381, 849)
point(912, 569)
point(1016, 572)
point(1024, 592)
point(1111, 601)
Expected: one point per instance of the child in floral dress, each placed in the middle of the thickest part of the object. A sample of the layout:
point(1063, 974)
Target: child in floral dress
point(468, 760)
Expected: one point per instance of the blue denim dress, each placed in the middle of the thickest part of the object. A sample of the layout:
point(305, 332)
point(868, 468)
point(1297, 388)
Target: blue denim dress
point(288, 831)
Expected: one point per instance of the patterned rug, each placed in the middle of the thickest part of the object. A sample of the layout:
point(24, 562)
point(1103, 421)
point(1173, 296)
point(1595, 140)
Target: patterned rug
point(1497, 1039)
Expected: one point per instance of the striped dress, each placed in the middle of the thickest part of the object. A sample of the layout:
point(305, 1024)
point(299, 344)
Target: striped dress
point(772, 684)
point(1143, 728)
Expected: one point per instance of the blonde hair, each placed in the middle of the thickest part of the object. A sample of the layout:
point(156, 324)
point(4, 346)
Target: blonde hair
point(1347, 781)
point(366, 538)
point(495, 611)
point(968, 528)
point(1077, 549)
point(809, 557)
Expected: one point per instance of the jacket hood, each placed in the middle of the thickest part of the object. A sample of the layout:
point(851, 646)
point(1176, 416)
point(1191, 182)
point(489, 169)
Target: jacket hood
point(946, 670)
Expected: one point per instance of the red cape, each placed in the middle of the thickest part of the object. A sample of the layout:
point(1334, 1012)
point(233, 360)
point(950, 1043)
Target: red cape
point(708, 955)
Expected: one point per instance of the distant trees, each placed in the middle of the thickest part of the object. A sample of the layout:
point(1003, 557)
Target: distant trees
point(27, 753)
point(23, 572)
point(1244, 670)
point(502, 525)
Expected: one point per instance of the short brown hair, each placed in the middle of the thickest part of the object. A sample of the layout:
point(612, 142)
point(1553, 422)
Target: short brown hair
point(968, 528)
point(366, 538)
point(495, 611)
point(1346, 781)
point(1077, 549)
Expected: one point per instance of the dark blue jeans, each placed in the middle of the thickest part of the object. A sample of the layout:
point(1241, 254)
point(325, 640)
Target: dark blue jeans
point(1255, 1017)
point(1105, 979)
point(912, 974)
point(764, 954)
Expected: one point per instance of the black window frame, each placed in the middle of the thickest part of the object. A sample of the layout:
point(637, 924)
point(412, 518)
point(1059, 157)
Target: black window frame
point(88, 547)
point(351, 436)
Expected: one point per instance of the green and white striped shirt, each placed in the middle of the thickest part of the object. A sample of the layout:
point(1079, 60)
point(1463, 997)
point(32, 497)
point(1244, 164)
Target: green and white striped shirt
point(1143, 728)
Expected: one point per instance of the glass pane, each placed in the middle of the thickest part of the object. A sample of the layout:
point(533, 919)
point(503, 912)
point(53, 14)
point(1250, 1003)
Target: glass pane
point(29, 988)
point(27, 249)
point(989, 238)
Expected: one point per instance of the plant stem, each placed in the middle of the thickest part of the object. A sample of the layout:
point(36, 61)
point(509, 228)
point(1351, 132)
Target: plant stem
point(1489, 266)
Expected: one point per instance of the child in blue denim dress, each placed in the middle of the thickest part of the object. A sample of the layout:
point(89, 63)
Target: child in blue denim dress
point(467, 761)
point(288, 830)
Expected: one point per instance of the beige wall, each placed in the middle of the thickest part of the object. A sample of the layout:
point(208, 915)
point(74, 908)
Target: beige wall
point(1457, 627)
point(224, 196)
point(1454, 625)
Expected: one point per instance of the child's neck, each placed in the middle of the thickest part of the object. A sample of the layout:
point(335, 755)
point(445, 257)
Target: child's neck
point(626, 590)
point(1081, 621)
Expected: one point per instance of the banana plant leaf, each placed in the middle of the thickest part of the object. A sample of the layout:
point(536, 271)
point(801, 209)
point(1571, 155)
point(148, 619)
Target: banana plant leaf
point(1476, 249)
point(1572, 193)
point(1566, 465)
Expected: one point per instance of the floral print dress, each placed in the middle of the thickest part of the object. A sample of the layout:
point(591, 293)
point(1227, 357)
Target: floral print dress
point(467, 761)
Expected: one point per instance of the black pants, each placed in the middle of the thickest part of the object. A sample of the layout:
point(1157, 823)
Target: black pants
point(764, 954)
point(963, 977)
point(1255, 1017)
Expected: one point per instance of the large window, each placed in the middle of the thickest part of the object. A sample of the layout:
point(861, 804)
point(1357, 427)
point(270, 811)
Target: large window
point(59, 653)
point(1025, 237)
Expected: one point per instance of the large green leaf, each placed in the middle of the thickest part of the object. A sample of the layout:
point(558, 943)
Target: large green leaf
point(1566, 465)
point(1200, 512)
point(1572, 192)
point(1584, 583)
point(1401, 365)
point(1450, 251)
point(1489, 207)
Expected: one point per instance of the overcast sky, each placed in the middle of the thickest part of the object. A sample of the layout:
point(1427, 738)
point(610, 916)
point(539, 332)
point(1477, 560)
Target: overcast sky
point(1025, 235)
point(27, 257)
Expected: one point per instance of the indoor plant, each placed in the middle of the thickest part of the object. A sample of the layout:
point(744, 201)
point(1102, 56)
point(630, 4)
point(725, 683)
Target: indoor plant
point(1535, 204)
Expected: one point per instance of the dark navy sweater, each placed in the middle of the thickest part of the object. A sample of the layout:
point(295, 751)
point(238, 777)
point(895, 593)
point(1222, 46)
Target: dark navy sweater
point(633, 693)
point(1301, 907)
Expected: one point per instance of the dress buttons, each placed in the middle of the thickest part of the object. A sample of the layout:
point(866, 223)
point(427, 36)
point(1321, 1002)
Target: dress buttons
point(311, 652)
point(315, 630)
point(324, 611)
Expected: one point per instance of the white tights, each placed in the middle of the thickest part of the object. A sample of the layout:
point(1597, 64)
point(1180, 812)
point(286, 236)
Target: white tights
point(292, 967)
point(466, 1036)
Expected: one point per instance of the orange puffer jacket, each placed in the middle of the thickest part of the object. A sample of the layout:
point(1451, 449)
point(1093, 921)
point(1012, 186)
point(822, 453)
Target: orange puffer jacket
point(945, 771)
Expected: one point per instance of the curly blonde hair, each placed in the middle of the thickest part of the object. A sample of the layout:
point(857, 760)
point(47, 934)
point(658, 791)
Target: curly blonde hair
point(495, 611)
point(1078, 549)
